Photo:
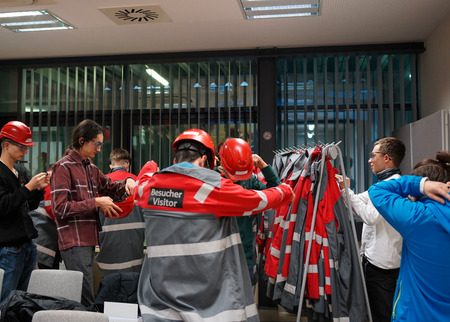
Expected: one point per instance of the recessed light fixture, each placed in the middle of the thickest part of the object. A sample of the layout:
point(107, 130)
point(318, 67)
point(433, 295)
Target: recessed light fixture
point(264, 9)
point(32, 20)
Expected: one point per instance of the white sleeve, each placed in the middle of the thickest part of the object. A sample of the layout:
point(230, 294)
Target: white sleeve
point(362, 207)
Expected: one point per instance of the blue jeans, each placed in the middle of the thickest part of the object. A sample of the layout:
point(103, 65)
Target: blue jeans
point(18, 262)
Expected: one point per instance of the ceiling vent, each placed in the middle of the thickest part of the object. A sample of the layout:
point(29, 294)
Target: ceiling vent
point(136, 14)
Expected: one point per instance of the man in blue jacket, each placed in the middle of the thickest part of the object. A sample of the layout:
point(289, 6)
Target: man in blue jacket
point(423, 287)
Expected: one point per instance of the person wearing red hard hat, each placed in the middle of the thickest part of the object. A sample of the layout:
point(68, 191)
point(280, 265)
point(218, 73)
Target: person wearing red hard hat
point(78, 191)
point(237, 162)
point(122, 238)
point(195, 267)
point(18, 195)
point(187, 141)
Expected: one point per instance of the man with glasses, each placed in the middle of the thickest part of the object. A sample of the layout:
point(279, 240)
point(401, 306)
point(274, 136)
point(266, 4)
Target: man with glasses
point(18, 195)
point(78, 191)
point(381, 244)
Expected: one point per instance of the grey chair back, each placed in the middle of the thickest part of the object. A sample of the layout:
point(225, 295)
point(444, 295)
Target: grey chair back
point(69, 316)
point(55, 282)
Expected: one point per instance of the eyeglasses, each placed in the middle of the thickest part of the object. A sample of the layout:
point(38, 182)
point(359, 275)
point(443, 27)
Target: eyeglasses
point(23, 148)
point(373, 154)
point(98, 144)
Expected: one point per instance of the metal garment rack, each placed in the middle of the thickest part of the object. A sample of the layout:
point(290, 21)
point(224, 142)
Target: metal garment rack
point(332, 151)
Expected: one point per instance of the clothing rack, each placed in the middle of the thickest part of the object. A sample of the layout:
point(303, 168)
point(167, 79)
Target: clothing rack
point(300, 148)
point(332, 151)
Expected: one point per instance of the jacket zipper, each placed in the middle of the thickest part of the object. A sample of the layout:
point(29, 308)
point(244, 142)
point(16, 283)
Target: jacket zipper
point(396, 300)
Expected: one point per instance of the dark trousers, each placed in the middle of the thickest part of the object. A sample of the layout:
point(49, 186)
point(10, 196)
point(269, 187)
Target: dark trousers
point(81, 258)
point(380, 285)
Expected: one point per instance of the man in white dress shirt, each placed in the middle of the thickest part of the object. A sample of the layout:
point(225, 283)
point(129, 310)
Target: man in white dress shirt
point(381, 245)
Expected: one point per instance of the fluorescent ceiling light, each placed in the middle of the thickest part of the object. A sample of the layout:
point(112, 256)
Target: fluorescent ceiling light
point(263, 9)
point(157, 77)
point(40, 29)
point(23, 21)
point(27, 23)
point(21, 14)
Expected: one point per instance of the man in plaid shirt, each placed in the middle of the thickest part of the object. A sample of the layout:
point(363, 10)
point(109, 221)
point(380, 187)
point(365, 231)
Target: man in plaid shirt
point(76, 185)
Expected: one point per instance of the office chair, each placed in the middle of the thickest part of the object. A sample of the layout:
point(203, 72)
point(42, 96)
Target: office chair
point(55, 282)
point(69, 316)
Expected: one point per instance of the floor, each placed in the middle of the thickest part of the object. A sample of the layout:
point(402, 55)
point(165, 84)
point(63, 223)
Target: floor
point(277, 315)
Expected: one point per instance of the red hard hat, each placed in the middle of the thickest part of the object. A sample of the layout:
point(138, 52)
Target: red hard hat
point(236, 158)
point(48, 200)
point(199, 136)
point(126, 206)
point(17, 132)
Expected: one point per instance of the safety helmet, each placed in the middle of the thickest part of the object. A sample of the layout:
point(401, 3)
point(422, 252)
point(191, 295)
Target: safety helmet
point(201, 137)
point(236, 159)
point(126, 206)
point(17, 132)
point(48, 200)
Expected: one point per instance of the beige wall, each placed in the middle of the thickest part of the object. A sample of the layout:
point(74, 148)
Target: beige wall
point(435, 71)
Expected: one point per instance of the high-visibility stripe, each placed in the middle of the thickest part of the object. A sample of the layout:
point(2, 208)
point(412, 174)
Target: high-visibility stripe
point(313, 269)
point(321, 291)
point(289, 288)
point(47, 203)
point(124, 265)
point(318, 238)
point(281, 278)
point(284, 224)
point(203, 192)
point(331, 261)
point(228, 315)
point(342, 319)
point(141, 189)
point(194, 248)
point(280, 191)
point(45, 250)
point(275, 252)
point(120, 227)
point(262, 203)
